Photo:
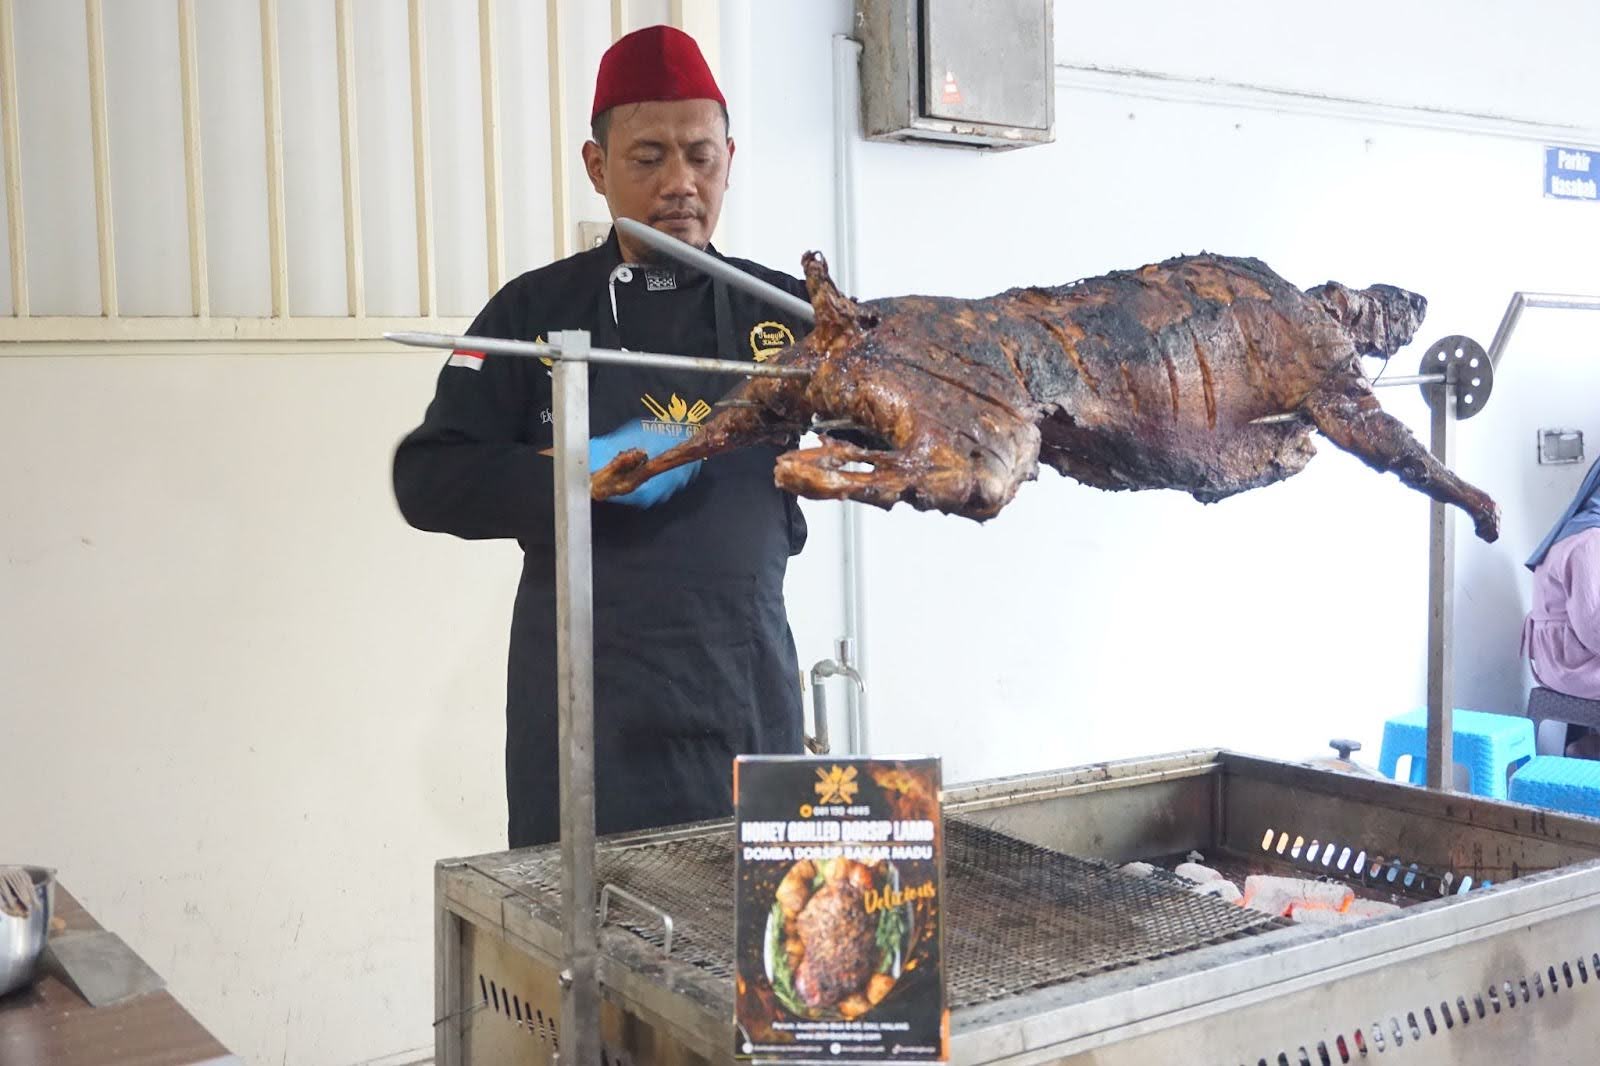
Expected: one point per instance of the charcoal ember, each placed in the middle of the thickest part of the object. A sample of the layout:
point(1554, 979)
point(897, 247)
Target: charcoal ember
point(1277, 895)
point(1194, 871)
point(1223, 889)
point(1371, 908)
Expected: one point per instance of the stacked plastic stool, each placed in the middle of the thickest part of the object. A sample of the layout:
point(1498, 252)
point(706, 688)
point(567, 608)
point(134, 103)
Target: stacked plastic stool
point(1559, 783)
point(1489, 745)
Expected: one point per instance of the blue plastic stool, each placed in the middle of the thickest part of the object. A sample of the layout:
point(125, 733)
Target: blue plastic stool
point(1559, 783)
point(1489, 745)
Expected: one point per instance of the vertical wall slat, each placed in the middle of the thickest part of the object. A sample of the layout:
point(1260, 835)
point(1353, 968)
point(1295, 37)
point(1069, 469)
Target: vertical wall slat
point(100, 137)
point(494, 222)
point(349, 150)
point(701, 20)
point(619, 18)
point(189, 70)
point(422, 170)
point(272, 100)
point(16, 242)
point(558, 129)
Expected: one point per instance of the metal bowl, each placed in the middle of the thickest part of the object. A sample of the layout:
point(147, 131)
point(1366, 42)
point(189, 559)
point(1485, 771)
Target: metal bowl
point(22, 939)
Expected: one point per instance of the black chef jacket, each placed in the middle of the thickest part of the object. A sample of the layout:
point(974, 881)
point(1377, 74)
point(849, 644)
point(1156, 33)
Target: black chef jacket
point(694, 661)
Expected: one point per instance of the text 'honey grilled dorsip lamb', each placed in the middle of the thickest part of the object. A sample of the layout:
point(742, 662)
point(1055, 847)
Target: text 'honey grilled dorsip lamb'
point(840, 864)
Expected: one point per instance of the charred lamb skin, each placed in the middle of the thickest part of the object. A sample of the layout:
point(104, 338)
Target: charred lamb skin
point(1142, 379)
point(840, 945)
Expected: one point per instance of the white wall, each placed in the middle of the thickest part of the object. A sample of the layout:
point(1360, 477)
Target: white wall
point(1487, 57)
point(256, 707)
point(252, 707)
point(1082, 625)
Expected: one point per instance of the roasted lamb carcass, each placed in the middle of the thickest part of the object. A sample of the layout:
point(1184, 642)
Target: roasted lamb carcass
point(1140, 379)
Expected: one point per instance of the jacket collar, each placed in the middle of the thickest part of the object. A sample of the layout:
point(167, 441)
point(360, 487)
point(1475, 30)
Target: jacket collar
point(610, 257)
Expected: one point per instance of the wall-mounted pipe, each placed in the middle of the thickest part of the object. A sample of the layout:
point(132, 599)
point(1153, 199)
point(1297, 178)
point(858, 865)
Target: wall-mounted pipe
point(839, 666)
point(846, 92)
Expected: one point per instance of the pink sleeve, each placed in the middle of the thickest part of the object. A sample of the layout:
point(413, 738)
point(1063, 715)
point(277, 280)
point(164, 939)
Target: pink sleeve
point(1583, 591)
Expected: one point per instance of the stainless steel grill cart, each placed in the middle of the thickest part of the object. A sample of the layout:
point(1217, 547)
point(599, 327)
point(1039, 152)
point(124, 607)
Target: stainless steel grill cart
point(1494, 958)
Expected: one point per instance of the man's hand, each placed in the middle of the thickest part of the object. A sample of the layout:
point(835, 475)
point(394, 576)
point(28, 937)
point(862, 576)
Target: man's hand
point(634, 435)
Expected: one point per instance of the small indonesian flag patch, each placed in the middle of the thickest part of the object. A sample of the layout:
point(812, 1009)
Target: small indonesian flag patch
point(470, 360)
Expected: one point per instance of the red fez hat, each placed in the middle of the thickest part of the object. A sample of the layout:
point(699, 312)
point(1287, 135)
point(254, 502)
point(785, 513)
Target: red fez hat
point(655, 63)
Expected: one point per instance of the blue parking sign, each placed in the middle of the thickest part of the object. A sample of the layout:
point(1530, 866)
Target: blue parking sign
point(1572, 173)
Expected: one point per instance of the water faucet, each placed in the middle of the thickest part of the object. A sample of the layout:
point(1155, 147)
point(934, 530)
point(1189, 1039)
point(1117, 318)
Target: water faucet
point(839, 666)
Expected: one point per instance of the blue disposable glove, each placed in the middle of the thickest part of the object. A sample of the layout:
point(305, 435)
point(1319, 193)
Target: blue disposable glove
point(632, 435)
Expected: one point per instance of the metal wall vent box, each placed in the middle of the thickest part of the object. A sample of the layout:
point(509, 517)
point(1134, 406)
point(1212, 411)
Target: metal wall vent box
point(973, 75)
point(1560, 446)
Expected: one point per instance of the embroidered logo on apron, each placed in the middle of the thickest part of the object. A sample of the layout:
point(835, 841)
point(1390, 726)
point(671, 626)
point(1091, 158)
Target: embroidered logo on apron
point(768, 339)
point(677, 418)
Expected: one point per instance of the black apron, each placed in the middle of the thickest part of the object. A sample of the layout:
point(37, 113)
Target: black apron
point(694, 661)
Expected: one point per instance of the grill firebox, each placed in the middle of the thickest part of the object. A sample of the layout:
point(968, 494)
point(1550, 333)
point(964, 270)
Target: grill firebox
point(1052, 953)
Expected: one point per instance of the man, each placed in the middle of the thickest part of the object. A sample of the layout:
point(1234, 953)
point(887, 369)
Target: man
point(694, 662)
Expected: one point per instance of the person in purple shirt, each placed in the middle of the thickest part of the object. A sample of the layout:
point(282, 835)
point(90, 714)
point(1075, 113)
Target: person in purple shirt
point(1561, 636)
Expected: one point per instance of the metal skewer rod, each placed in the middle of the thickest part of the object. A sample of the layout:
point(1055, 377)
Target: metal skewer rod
point(555, 353)
point(1401, 379)
point(689, 255)
point(1409, 379)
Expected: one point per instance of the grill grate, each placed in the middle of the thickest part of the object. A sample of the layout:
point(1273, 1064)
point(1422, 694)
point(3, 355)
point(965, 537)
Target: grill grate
point(1023, 917)
point(1018, 916)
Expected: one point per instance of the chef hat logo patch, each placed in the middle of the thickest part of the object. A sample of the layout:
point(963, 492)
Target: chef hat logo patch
point(768, 339)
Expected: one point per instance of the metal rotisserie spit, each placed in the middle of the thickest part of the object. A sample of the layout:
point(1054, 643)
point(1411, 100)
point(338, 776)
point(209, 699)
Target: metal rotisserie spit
point(1054, 954)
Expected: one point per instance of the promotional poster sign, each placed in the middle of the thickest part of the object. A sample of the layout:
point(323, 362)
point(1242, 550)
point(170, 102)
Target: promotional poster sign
point(840, 901)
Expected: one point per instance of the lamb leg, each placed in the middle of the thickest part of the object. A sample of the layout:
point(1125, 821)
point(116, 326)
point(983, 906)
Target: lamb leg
point(930, 468)
point(1351, 418)
point(819, 473)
